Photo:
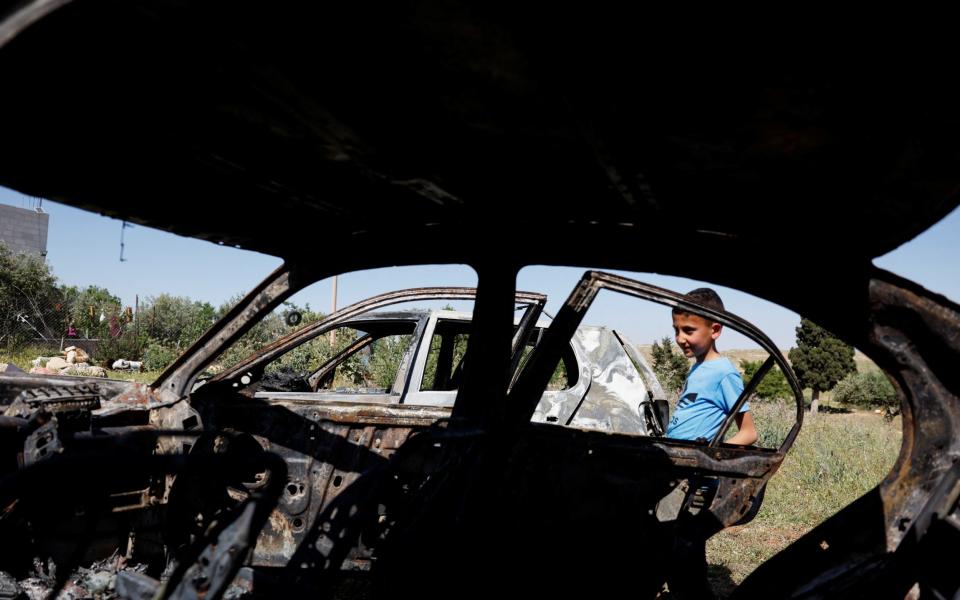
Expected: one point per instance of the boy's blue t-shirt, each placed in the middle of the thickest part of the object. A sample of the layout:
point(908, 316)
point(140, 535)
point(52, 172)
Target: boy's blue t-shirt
point(712, 389)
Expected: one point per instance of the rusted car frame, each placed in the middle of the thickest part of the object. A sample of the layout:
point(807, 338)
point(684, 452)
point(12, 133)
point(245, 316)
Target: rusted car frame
point(581, 143)
point(573, 311)
point(532, 303)
point(562, 406)
point(334, 452)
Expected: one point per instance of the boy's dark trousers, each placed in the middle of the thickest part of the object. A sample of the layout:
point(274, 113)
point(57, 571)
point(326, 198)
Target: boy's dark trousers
point(687, 578)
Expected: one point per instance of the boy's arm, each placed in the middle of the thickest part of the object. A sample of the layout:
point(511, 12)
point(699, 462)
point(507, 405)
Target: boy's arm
point(731, 387)
point(747, 433)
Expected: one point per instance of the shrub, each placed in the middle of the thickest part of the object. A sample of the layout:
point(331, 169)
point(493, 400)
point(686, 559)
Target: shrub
point(110, 349)
point(773, 386)
point(871, 389)
point(158, 356)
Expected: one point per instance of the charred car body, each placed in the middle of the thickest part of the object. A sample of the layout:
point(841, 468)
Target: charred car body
point(446, 122)
point(337, 443)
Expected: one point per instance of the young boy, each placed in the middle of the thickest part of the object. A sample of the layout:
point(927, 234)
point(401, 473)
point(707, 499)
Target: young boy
point(713, 384)
point(712, 388)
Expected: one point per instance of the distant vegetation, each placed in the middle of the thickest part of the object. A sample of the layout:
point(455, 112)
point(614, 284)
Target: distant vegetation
point(670, 366)
point(773, 386)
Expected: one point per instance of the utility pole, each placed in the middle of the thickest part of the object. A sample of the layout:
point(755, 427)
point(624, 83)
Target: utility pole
point(333, 309)
point(136, 322)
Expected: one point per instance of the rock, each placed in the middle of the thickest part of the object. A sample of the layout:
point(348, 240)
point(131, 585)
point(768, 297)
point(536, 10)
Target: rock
point(72, 357)
point(43, 371)
point(56, 363)
point(78, 371)
point(9, 368)
point(78, 353)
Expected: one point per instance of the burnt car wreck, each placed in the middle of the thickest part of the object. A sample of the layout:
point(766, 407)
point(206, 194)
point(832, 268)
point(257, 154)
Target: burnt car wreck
point(447, 123)
point(242, 473)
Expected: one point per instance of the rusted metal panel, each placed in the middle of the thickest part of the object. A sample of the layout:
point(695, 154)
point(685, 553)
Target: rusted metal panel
point(905, 323)
point(346, 412)
point(314, 483)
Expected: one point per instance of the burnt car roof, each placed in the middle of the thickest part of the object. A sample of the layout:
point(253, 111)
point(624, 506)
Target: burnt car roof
point(350, 136)
point(230, 123)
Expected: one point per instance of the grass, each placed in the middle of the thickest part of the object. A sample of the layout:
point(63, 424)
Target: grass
point(836, 459)
point(139, 377)
point(22, 358)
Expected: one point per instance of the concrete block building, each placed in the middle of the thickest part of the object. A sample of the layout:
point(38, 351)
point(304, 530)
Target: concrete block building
point(24, 230)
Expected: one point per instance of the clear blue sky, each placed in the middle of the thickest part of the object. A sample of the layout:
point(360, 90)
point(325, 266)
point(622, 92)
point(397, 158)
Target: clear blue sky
point(83, 249)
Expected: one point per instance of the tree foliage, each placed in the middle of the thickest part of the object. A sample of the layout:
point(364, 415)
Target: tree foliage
point(84, 307)
point(176, 321)
point(269, 329)
point(386, 355)
point(29, 299)
point(870, 390)
point(670, 366)
point(773, 386)
point(820, 360)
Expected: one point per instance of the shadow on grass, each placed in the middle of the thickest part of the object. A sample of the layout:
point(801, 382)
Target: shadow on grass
point(832, 410)
point(721, 580)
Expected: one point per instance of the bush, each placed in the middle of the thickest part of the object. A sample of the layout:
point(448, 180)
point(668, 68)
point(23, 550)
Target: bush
point(871, 389)
point(157, 356)
point(110, 349)
point(176, 321)
point(773, 386)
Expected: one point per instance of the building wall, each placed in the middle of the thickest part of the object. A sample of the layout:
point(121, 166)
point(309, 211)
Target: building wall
point(24, 230)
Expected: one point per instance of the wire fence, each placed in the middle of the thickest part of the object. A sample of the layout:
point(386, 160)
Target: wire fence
point(40, 317)
point(42, 321)
point(51, 319)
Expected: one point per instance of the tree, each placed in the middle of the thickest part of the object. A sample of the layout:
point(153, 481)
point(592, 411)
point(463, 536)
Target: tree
point(83, 308)
point(773, 386)
point(176, 321)
point(671, 367)
point(29, 299)
point(820, 360)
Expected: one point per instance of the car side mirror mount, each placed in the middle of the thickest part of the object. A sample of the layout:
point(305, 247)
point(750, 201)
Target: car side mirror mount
point(661, 408)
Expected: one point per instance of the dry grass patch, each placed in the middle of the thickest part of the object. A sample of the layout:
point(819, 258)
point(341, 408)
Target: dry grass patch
point(836, 459)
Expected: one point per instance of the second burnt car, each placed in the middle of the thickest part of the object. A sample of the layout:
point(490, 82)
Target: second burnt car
point(602, 381)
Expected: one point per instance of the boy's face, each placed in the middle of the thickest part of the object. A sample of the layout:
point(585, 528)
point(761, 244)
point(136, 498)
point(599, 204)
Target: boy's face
point(695, 335)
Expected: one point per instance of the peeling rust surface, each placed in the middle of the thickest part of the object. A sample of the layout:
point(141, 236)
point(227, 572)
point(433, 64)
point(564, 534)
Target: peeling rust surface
point(925, 378)
point(138, 397)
